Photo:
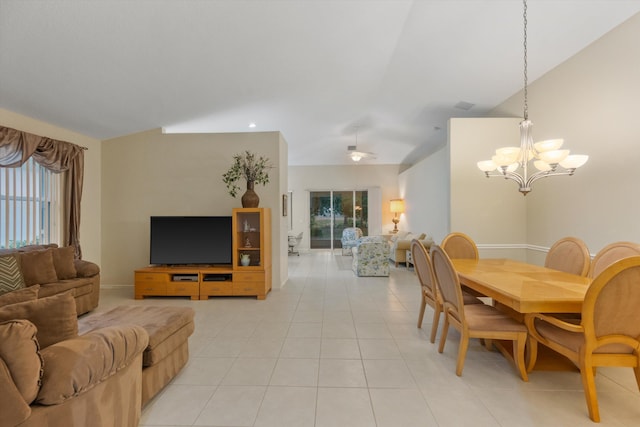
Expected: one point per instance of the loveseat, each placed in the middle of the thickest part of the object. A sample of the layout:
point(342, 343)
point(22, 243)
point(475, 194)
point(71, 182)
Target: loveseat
point(54, 269)
point(50, 376)
point(400, 243)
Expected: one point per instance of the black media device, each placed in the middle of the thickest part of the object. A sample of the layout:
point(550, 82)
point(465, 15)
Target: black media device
point(186, 240)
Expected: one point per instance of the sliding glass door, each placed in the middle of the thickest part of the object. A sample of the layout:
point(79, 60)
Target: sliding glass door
point(333, 211)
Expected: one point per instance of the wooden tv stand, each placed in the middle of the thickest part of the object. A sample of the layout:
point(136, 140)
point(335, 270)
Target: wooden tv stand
point(199, 282)
point(251, 236)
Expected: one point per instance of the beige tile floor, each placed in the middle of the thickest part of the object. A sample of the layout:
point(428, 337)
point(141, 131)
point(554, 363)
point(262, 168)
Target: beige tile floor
point(333, 350)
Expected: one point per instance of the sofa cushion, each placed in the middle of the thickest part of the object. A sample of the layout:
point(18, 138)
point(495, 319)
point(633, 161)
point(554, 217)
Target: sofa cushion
point(38, 267)
point(10, 275)
point(19, 350)
point(21, 295)
point(63, 262)
point(55, 317)
point(76, 365)
point(77, 286)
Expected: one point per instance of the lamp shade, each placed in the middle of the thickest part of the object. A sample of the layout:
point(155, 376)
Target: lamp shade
point(397, 206)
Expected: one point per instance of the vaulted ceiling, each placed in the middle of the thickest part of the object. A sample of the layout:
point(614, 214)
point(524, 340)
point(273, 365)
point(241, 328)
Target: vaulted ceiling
point(383, 74)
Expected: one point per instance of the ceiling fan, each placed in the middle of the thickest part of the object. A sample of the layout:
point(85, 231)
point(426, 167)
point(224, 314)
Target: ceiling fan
point(356, 155)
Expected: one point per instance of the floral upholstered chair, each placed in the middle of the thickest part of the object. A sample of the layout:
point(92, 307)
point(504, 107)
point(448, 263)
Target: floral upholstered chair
point(350, 236)
point(371, 257)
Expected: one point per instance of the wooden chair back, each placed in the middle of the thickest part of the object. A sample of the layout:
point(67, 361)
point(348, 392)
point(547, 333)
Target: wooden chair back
point(570, 255)
point(448, 283)
point(430, 293)
point(610, 254)
point(460, 246)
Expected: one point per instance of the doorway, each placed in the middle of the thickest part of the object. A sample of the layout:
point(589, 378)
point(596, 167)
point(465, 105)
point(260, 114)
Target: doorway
point(333, 211)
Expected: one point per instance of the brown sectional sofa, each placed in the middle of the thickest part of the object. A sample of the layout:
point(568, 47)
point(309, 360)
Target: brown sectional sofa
point(50, 376)
point(56, 271)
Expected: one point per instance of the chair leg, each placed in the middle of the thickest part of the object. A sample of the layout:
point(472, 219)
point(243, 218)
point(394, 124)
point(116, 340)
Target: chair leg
point(636, 371)
point(434, 324)
point(443, 336)
point(519, 347)
point(462, 354)
point(533, 354)
point(423, 306)
point(589, 385)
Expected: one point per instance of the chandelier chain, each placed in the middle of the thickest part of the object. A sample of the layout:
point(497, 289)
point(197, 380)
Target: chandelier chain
point(526, 104)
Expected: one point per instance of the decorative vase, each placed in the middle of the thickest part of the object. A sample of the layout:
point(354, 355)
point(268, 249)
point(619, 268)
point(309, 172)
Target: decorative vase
point(250, 199)
point(245, 260)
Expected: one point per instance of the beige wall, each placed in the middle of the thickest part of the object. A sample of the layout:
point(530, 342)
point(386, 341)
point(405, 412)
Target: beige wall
point(91, 212)
point(591, 101)
point(152, 173)
point(381, 179)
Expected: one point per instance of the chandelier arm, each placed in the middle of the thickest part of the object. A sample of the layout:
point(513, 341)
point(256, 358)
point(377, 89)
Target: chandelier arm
point(539, 175)
point(507, 175)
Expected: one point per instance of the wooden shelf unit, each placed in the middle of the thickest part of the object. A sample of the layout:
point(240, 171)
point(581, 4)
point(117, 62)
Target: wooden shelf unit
point(251, 235)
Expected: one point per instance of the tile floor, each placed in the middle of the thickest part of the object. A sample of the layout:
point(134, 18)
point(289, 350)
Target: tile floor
point(333, 350)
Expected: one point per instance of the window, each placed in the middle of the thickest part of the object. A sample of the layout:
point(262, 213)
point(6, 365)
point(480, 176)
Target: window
point(29, 205)
point(333, 211)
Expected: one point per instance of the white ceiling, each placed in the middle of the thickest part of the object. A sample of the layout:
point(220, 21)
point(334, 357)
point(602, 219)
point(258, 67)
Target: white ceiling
point(316, 70)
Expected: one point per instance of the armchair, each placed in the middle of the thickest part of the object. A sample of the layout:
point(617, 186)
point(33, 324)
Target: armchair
point(371, 257)
point(350, 236)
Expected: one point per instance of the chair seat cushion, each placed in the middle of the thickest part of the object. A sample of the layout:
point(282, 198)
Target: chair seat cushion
point(574, 340)
point(486, 317)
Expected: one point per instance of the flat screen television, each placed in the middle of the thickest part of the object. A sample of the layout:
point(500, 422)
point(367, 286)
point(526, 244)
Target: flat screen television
point(179, 240)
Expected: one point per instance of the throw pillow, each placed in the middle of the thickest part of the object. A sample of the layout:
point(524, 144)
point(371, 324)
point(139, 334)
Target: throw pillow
point(10, 275)
point(63, 262)
point(21, 295)
point(54, 316)
point(38, 267)
point(19, 351)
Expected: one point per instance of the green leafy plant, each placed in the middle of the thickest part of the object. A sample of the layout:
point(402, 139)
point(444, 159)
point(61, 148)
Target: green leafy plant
point(248, 166)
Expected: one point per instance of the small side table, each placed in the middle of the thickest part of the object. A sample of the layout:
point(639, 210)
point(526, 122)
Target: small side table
point(409, 259)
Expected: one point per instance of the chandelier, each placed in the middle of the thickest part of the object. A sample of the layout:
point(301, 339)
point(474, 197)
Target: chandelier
point(547, 156)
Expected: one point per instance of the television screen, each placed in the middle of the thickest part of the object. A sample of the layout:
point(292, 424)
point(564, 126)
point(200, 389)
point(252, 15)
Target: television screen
point(190, 240)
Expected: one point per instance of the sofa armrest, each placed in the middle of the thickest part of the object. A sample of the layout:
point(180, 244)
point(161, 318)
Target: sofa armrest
point(74, 366)
point(403, 245)
point(86, 268)
point(13, 408)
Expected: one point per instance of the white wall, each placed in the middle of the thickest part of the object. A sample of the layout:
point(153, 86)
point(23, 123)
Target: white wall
point(426, 188)
point(151, 173)
point(90, 206)
point(376, 178)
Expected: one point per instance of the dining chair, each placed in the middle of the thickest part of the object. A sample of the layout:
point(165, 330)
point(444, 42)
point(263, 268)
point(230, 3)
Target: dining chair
point(607, 335)
point(612, 253)
point(430, 293)
point(570, 255)
point(459, 246)
point(474, 320)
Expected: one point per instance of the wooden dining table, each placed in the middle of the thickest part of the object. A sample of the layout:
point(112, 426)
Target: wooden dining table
point(525, 288)
point(519, 288)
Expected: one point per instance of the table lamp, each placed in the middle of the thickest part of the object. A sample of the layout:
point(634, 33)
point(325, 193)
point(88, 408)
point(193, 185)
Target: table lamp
point(397, 207)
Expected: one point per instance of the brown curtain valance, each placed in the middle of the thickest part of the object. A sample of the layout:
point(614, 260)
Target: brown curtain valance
point(16, 147)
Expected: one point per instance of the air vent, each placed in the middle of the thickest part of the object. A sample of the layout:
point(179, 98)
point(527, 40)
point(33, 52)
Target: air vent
point(466, 106)
point(351, 148)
